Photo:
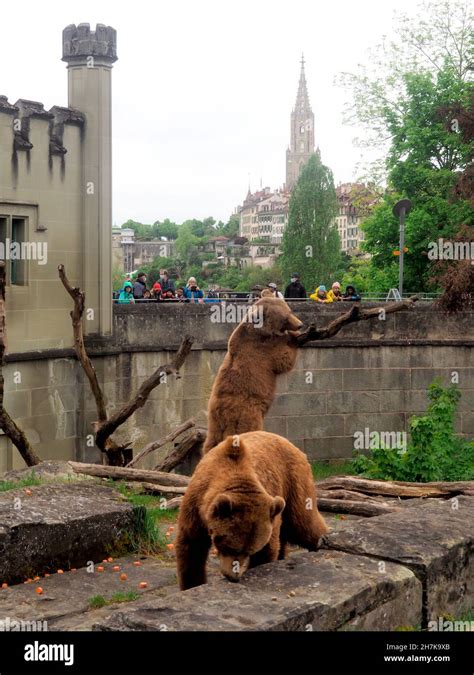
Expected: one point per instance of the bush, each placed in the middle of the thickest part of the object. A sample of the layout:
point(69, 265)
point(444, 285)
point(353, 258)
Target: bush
point(434, 452)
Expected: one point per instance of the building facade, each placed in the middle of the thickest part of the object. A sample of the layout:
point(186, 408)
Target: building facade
point(56, 199)
point(356, 202)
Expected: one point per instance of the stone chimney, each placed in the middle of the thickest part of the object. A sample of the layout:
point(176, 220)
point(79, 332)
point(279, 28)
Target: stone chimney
point(90, 56)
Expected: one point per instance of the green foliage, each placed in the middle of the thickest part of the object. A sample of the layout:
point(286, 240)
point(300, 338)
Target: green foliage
point(166, 229)
point(434, 453)
point(98, 601)
point(368, 279)
point(321, 470)
point(32, 479)
point(313, 206)
point(408, 100)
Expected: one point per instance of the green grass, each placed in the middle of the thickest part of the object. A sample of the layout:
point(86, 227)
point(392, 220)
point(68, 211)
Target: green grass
point(32, 479)
point(98, 601)
point(321, 470)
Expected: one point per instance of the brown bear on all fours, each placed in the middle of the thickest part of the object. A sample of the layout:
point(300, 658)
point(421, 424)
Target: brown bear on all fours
point(261, 347)
point(249, 496)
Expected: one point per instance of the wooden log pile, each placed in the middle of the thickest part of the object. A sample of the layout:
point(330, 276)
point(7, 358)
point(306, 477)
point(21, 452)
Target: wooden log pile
point(338, 494)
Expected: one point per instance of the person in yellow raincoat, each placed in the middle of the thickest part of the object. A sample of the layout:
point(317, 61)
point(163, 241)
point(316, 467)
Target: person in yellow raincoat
point(320, 295)
point(335, 293)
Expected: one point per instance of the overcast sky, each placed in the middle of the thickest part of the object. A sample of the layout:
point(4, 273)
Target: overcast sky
point(202, 91)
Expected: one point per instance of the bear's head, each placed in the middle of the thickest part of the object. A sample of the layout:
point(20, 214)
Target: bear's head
point(240, 517)
point(272, 317)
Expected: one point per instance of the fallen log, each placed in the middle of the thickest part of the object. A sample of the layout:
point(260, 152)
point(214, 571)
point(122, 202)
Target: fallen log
point(355, 508)
point(170, 489)
point(447, 487)
point(174, 503)
point(124, 473)
point(162, 441)
point(377, 487)
point(177, 454)
point(350, 495)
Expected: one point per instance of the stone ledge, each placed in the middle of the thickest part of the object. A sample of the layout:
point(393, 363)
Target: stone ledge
point(434, 540)
point(322, 591)
point(59, 526)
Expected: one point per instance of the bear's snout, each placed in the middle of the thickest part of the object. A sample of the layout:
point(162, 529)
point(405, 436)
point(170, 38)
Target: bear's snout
point(233, 567)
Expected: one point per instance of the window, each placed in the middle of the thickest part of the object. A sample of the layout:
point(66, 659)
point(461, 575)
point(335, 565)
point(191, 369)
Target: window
point(14, 233)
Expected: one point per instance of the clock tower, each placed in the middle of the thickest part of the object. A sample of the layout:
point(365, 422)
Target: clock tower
point(302, 133)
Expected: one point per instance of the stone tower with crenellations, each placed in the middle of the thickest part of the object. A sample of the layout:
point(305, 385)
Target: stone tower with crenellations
point(301, 134)
point(90, 56)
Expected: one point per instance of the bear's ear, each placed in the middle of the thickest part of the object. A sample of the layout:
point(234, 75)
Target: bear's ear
point(222, 507)
point(276, 506)
point(234, 448)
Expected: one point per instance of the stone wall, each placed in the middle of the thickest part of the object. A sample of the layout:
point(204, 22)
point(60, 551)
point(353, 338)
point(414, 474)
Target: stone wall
point(373, 374)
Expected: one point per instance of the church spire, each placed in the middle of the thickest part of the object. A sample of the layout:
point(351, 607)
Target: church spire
point(301, 132)
point(302, 98)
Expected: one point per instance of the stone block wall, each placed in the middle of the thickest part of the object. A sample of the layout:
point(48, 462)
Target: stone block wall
point(373, 374)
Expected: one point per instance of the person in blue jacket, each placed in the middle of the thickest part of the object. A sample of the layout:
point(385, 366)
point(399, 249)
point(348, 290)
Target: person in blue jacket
point(126, 293)
point(351, 294)
point(192, 292)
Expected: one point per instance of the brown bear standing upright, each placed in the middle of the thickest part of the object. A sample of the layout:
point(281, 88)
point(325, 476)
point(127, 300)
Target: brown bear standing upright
point(261, 347)
point(249, 497)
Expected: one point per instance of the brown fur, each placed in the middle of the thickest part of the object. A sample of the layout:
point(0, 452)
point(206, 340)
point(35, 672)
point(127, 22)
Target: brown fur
point(249, 497)
point(245, 384)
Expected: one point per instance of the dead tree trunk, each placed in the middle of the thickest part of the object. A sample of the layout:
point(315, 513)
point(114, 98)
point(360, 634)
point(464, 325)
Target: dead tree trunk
point(7, 424)
point(312, 334)
point(104, 427)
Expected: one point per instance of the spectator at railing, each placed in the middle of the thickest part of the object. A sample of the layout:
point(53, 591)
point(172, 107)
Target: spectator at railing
point(139, 287)
point(156, 290)
point(167, 284)
point(335, 293)
point(180, 297)
point(295, 289)
point(126, 293)
point(274, 289)
point(351, 294)
point(320, 295)
point(167, 295)
point(211, 296)
point(192, 291)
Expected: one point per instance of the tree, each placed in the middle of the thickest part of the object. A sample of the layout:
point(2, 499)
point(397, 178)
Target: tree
point(186, 240)
point(311, 243)
point(142, 231)
point(407, 105)
point(166, 229)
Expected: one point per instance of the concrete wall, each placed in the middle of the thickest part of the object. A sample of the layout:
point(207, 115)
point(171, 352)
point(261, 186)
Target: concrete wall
point(372, 374)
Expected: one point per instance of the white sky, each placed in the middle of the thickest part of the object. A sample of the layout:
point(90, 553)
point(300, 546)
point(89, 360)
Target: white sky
point(202, 91)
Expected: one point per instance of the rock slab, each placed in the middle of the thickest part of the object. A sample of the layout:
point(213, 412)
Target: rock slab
point(46, 527)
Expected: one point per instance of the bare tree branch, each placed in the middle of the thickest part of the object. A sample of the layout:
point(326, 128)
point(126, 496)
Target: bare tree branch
point(313, 334)
point(107, 428)
point(162, 441)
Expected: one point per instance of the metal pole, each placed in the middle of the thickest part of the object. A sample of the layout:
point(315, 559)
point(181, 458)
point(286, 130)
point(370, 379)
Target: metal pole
point(400, 209)
point(402, 244)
